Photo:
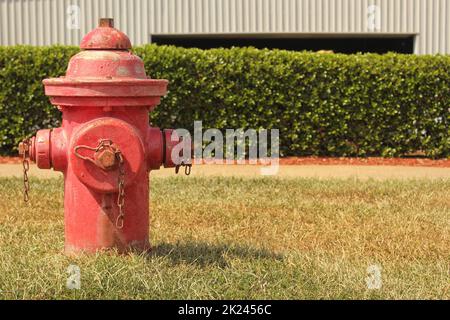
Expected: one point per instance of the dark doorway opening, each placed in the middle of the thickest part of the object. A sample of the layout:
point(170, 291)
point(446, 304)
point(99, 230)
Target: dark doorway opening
point(337, 44)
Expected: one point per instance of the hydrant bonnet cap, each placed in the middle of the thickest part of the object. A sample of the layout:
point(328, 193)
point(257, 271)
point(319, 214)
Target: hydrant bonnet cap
point(105, 73)
point(105, 37)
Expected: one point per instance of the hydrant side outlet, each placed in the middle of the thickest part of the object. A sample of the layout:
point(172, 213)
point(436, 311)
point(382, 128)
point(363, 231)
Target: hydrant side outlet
point(105, 146)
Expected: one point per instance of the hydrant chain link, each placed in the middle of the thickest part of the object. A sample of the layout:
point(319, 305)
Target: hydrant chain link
point(121, 193)
point(187, 168)
point(102, 143)
point(24, 150)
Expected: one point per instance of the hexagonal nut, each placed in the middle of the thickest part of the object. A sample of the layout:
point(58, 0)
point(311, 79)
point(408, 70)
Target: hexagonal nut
point(106, 158)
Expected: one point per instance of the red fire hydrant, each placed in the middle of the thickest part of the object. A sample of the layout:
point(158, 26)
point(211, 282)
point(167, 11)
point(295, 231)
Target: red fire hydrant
point(105, 146)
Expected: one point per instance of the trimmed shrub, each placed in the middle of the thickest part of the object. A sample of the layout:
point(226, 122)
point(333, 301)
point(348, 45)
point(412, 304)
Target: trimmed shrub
point(24, 108)
point(323, 104)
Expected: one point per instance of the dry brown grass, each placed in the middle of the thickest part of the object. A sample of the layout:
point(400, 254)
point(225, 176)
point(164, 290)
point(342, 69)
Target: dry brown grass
point(243, 238)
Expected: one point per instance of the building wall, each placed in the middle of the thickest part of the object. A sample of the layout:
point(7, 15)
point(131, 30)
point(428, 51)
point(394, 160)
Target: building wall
point(44, 22)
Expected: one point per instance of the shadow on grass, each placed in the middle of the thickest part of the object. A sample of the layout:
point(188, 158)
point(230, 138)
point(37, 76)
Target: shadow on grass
point(203, 254)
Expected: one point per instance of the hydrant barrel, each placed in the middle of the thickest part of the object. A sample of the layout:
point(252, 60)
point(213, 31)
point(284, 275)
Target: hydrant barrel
point(105, 146)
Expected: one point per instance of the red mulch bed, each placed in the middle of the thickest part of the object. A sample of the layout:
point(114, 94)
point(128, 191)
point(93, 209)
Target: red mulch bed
point(412, 162)
point(10, 160)
point(371, 161)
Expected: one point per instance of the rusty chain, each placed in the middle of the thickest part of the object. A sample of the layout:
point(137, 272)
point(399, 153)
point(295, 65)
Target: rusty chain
point(187, 165)
point(121, 191)
point(26, 167)
point(187, 168)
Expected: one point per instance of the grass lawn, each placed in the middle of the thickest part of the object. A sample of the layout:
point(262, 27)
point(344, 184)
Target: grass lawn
point(288, 238)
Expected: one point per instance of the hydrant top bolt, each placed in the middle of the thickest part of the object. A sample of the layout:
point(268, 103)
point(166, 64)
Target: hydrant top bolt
point(106, 23)
point(105, 37)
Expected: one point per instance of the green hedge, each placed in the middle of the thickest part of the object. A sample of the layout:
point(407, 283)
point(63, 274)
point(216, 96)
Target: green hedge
point(323, 104)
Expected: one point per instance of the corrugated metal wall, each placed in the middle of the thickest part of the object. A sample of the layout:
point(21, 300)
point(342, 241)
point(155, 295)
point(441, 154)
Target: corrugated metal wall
point(43, 22)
